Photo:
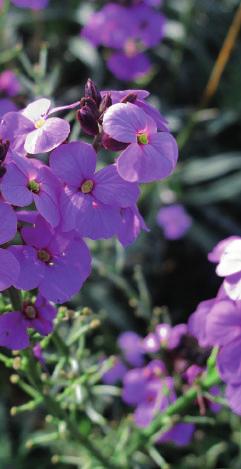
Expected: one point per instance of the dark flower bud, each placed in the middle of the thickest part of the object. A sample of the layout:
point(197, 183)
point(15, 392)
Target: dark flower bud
point(130, 98)
point(105, 103)
point(2, 171)
point(111, 144)
point(4, 146)
point(90, 103)
point(88, 121)
point(92, 91)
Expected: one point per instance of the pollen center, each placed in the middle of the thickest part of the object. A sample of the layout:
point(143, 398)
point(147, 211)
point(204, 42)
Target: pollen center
point(44, 256)
point(142, 138)
point(34, 186)
point(87, 186)
point(30, 312)
point(39, 123)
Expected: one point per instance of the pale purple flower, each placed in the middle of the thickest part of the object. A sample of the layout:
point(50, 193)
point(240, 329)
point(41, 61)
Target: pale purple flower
point(198, 321)
point(131, 225)
point(33, 4)
point(9, 83)
point(228, 255)
point(174, 220)
point(131, 346)
point(6, 105)
point(151, 343)
point(150, 155)
point(233, 395)
point(28, 181)
point(33, 130)
point(14, 325)
point(55, 263)
point(92, 200)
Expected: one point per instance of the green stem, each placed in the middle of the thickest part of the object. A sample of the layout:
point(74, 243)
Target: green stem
point(15, 298)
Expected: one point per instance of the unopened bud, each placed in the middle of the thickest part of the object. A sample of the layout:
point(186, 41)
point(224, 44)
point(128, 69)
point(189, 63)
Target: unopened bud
point(13, 411)
point(112, 144)
point(130, 98)
point(95, 323)
point(105, 103)
point(14, 379)
point(17, 362)
point(88, 121)
point(92, 91)
point(86, 311)
point(29, 444)
point(55, 459)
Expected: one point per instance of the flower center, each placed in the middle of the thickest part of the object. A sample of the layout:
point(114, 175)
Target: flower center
point(34, 186)
point(44, 256)
point(87, 186)
point(39, 123)
point(30, 312)
point(142, 138)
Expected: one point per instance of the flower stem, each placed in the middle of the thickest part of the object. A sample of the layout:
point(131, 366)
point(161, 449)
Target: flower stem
point(15, 298)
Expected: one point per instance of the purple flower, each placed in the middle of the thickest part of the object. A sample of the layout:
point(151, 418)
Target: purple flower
point(180, 434)
point(131, 225)
point(14, 325)
point(115, 373)
point(151, 343)
point(33, 4)
point(127, 66)
point(6, 105)
point(149, 25)
point(109, 27)
point(32, 130)
point(158, 394)
point(169, 337)
point(9, 266)
point(198, 321)
point(131, 346)
point(38, 354)
point(233, 395)
point(28, 181)
point(92, 201)
point(150, 155)
point(228, 255)
point(174, 220)
point(9, 83)
point(55, 263)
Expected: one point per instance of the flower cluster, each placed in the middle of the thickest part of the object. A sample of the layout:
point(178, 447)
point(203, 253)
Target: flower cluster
point(217, 322)
point(146, 367)
point(57, 193)
point(128, 31)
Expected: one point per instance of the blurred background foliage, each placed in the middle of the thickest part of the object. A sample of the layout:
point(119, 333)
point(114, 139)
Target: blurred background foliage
point(154, 279)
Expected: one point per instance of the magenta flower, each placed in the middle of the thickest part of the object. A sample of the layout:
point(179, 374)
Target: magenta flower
point(91, 202)
point(9, 83)
point(131, 225)
point(55, 263)
point(32, 130)
point(33, 4)
point(14, 325)
point(150, 155)
point(174, 220)
point(28, 181)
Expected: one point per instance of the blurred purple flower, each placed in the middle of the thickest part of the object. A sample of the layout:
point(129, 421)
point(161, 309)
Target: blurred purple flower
point(181, 434)
point(131, 346)
point(129, 66)
point(115, 373)
point(131, 225)
point(9, 83)
point(150, 155)
point(33, 4)
point(6, 105)
point(14, 325)
point(174, 220)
